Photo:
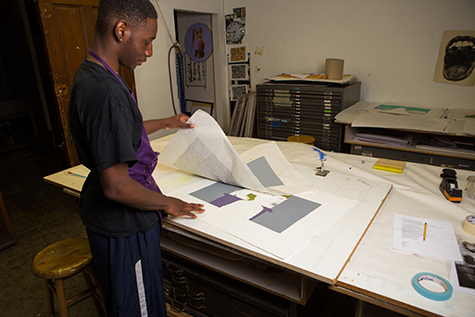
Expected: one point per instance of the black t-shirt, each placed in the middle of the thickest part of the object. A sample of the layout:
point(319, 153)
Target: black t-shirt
point(106, 126)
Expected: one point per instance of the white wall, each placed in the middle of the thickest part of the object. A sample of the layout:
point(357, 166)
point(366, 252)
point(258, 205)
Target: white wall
point(153, 88)
point(392, 46)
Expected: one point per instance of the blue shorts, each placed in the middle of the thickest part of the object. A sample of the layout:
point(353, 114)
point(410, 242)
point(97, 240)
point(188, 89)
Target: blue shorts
point(130, 273)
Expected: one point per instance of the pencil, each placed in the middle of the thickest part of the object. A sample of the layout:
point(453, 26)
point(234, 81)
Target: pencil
point(425, 232)
point(77, 175)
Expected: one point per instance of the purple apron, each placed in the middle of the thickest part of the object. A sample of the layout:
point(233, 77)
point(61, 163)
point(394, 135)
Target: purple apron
point(147, 157)
point(143, 169)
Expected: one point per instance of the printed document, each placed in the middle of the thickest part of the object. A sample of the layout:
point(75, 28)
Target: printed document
point(425, 237)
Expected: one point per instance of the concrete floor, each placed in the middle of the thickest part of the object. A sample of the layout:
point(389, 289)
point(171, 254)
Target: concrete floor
point(42, 214)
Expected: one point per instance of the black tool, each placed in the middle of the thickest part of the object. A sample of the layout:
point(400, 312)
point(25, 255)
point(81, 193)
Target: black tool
point(449, 186)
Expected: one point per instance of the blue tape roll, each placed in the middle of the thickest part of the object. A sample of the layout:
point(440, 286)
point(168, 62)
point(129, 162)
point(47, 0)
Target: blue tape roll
point(436, 279)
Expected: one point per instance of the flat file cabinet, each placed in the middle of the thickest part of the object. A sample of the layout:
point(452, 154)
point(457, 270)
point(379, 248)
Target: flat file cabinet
point(290, 108)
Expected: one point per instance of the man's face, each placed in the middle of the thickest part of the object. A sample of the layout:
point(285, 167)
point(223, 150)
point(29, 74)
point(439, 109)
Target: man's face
point(138, 46)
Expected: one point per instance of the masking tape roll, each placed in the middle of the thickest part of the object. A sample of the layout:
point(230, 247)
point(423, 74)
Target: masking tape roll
point(416, 283)
point(469, 225)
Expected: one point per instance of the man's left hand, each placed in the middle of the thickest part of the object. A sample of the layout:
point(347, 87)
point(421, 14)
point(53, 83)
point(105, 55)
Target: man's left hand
point(179, 122)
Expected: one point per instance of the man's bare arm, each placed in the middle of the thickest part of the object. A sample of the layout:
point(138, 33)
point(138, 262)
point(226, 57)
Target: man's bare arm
point(118, 186)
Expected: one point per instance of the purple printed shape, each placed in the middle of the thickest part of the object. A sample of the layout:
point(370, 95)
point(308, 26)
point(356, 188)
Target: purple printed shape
point(264, 210)
point(224, 200)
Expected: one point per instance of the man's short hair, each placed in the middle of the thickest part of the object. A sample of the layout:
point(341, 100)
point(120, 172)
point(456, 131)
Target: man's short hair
point(135, 12)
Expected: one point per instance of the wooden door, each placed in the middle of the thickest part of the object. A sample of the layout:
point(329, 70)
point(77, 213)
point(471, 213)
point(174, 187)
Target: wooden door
point(68, 29)
point(6, 231)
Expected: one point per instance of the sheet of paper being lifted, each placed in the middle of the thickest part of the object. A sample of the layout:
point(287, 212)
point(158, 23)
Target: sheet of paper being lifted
point(207, 152)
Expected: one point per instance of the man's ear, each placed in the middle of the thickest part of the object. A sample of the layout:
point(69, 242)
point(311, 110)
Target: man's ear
point(121, 30)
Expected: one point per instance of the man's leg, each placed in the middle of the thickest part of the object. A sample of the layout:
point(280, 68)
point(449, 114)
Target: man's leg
point(130, 273)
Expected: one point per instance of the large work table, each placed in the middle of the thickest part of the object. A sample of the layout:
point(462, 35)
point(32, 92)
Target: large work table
point(354, 255)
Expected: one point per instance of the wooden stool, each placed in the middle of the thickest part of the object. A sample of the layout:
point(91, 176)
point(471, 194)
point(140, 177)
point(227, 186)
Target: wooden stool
point(60, 261)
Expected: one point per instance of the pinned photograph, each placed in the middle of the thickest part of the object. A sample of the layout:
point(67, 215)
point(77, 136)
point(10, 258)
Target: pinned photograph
point(238, 54)
point(239, 72)
point(237, 91)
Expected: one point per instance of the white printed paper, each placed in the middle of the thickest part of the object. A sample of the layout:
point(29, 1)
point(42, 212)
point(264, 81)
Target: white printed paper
point(207, 152)
point(454, 280)
point(276, 225)
point(425, 237)
point(462, 274)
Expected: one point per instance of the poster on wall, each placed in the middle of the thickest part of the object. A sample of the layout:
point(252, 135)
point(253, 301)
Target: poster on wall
point(198, 42)
point(195, 73)
point(456, 61)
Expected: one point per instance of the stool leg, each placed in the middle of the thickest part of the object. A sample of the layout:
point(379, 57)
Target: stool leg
point(96, 298)
point(60, 293)
point(49, 298)
point(91, 269)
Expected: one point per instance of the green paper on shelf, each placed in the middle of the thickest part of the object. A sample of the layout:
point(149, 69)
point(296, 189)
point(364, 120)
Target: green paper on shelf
point(389, 165)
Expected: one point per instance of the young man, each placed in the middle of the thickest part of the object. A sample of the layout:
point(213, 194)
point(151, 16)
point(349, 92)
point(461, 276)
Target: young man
point(121, 205)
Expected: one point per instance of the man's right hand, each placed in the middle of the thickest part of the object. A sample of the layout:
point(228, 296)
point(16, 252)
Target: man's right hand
point(178, 208)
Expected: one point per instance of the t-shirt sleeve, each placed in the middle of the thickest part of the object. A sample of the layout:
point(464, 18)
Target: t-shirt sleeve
point(109, 131)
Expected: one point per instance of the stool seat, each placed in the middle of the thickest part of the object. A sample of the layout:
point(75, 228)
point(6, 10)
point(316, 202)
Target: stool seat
point(307, 139)
point(62, 259)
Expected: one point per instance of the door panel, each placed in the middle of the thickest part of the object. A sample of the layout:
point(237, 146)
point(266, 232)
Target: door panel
point(68, 29)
